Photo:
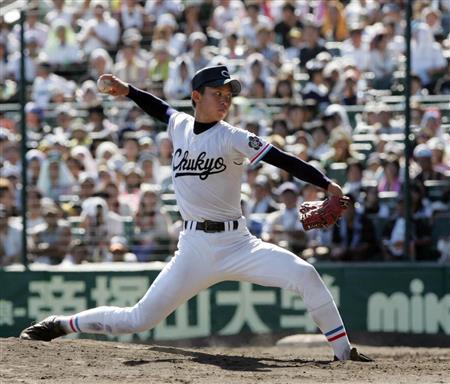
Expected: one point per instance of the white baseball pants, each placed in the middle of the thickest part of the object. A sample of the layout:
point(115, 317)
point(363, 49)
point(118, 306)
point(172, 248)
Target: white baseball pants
point(202, 260)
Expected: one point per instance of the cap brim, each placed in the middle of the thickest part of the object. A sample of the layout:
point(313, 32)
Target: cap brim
point(235, 85)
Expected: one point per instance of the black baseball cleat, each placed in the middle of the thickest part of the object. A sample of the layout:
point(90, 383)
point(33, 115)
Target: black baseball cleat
point(356, 356)
point(45, 330)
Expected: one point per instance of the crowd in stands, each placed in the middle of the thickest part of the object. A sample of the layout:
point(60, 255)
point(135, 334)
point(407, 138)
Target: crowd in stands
point(320, 80)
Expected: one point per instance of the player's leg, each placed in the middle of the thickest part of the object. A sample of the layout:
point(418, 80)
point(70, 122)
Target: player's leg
point(183, 277)
point(267, 264)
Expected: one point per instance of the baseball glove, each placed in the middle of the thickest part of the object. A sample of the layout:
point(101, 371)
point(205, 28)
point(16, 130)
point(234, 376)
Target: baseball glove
point(322, 214)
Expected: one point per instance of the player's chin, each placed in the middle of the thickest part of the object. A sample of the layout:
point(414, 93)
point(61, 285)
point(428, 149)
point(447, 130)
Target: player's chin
point(221, 114)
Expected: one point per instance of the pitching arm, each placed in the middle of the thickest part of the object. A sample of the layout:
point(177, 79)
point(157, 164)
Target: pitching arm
point(151, 104)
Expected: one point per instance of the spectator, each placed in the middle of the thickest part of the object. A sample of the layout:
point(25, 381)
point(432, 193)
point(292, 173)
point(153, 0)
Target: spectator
point(354, 238)
point(393, 245)
point(288, 22)
point(87, 186)
point(59, 12)
point(354, 176)
point(33, 26)
point(178, 84)
point(131, 68)
point(292, 53)
point(100, 62)
point(272, 52)
point(35, 158)
point(7, 194)
point(262, 200)
point(76, 254)
point(250, 24)
point(116, 204)
point(256, 67)
point(165, 29)
point(31, 59)
point(320, 148)
point(156, 8)
point(381, 63)
point(51, 239)
point(191, 21)
point(423, 157)
point(46, 83)
point(341, 152)
point(295, 117)
point(100, 225)
point(10, 238)
point(4, 60)
point(315, 88)
point(36, 126)
point(386, 124)
point(431, 124)
point(105, 152)
point(427, 59)
point(133, 37)
point(130, 144)
point(232, 47)
point(197, 54)
point(283, 226)
point(55, 178)
point(372, 204)
point(159, 64)
point(441, 162)
point(334, 25)
point(61, 46)
point(151, 237)
point(350, 91)
point(132, 177)
point(390, 180)
point(35, 216)
point(99, 123)
point(355, 48)
point(119, 251)
point(131, 15)
point(227, 14)
point(147, 164)
point(64, 118)
point(100, 32)
point(313, 43)
point(284, 89)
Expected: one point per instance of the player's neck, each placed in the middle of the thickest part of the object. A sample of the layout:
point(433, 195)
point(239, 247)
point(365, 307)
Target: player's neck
point(200, 127)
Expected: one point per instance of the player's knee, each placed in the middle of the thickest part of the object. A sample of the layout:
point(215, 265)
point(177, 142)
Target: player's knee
point(140, 320)
point(315, 291)
point(310, 273)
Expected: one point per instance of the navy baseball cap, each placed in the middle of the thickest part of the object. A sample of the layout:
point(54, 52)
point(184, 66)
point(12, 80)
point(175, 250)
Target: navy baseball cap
point(215, 77)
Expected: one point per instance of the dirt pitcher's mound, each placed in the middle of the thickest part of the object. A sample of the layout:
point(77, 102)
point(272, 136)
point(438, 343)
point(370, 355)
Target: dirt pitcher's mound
point(97, 362)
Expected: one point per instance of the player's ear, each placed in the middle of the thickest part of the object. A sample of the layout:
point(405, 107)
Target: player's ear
point(195, 96)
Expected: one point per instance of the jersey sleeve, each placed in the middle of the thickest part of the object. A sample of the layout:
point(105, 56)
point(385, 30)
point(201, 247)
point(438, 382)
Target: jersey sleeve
point(249, 145)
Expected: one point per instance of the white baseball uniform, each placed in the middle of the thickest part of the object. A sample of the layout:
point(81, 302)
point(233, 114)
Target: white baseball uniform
point(207, 173)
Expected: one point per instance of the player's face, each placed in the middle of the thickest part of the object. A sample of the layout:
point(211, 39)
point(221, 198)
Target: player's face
point(213, 104)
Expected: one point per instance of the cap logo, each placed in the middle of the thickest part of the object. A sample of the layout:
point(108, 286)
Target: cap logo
point(225, 73)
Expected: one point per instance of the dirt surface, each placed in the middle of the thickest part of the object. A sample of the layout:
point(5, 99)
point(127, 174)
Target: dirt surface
point(91, 361)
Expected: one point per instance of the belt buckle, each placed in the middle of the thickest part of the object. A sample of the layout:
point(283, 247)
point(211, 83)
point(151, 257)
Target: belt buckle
point(208, 227)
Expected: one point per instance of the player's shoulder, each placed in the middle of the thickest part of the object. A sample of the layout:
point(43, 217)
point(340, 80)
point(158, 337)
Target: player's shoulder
point(231, 129)
point(179, 118)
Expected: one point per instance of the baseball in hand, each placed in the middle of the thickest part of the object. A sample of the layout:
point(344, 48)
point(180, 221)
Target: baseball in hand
point(104, 85)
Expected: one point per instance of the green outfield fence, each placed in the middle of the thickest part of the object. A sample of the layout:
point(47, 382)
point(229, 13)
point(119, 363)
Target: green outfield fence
point(405, 298)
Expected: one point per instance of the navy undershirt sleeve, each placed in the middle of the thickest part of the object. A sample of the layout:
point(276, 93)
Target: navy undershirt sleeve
point(296, 167)
point(151, 104)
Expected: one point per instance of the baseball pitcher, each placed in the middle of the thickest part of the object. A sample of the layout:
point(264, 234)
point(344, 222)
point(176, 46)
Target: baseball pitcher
point(215, 244)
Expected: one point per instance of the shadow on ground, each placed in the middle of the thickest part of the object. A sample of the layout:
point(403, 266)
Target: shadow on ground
point(229, 362)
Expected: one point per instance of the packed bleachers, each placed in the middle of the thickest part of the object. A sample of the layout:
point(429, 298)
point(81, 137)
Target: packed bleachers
point(323, 80)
